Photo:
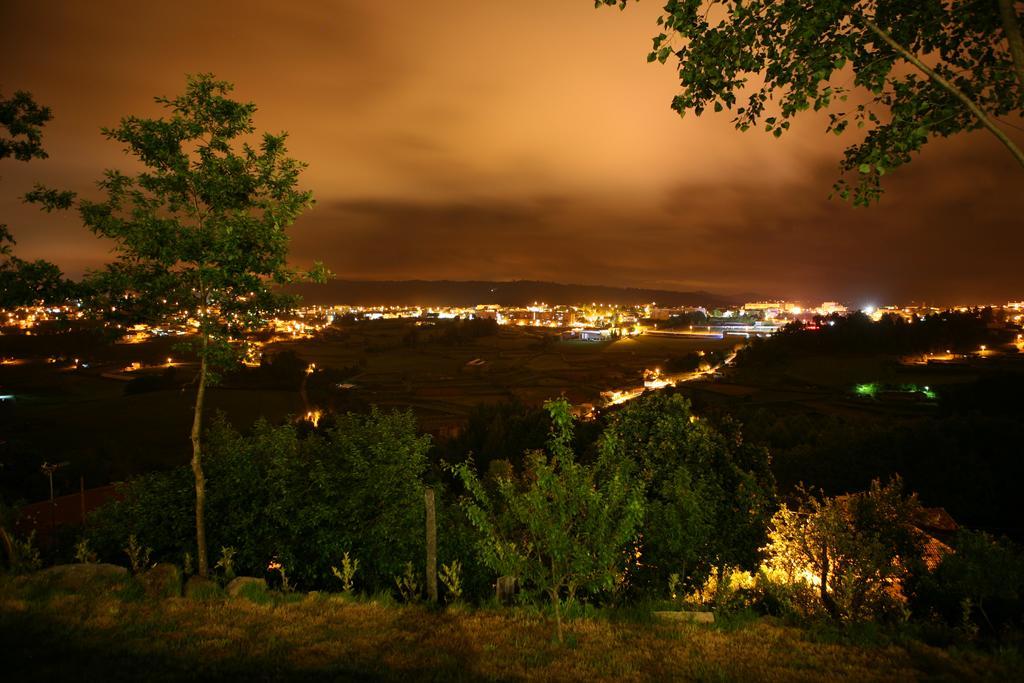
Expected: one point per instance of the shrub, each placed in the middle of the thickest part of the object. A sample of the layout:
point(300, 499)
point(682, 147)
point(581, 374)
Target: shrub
point(856, 550)
point(276, 493)
point(563, 526)
point(408, 584)
point(138, 555)
point(347, 573)
point(457, 542)
point(981, 583)
point(284, 584)
point(778, 595)
point(158, 507)
point(226, 563)
point(687, 363)
point(25, 556)
point(709, 494)
point(451, 579)
point(83, 553)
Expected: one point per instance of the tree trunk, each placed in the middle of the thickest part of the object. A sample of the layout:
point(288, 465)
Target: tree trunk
point(826, 599)
point(197, 465)
point(1011, 27)
point(558, 614)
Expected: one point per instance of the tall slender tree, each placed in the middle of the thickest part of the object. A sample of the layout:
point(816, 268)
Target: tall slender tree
point(200, 233)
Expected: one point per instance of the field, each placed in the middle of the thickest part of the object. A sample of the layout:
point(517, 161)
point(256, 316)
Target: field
point(441, 381)
point(83, 416)
point(115, 633)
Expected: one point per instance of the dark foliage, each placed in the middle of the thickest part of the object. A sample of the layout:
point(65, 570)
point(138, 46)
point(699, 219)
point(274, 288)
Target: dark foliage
point(694, 318)
point(959, 461)
point(355, 487)
point(462, 331)
point(709, 493)
point(858, 334)
point(979, 583)
point(24, 283)
point(498, 431)
point(23, 120)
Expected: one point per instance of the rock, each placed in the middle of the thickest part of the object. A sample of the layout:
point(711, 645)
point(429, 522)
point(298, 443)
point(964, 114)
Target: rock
point(244, 585)
point(199, 588)
point(693, 617)
point(162, 581)
point(78, 577)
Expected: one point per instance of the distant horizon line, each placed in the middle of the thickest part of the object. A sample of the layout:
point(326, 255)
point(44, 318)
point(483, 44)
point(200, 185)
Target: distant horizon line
point(747, 297)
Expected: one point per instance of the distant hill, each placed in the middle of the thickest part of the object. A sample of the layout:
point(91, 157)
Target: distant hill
point(516, 293)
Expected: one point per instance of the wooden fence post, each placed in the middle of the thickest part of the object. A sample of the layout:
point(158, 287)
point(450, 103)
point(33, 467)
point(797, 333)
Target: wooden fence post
point(428, 496)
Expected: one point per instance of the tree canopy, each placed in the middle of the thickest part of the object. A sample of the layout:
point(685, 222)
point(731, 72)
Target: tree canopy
point(202, 230)
point(23, 118)
point(904, 71)
point(25, 282)
point(709, 493)
point(853, 548)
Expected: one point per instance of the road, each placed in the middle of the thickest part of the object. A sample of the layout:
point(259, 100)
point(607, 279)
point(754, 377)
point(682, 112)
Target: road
point(616, 397)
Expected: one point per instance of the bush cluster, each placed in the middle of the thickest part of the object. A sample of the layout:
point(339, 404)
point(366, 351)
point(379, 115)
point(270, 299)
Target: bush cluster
point(356, 487)
point(663, 506)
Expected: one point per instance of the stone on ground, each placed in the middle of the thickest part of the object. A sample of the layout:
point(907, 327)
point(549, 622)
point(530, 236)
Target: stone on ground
point(162, 581)
point(245, 584)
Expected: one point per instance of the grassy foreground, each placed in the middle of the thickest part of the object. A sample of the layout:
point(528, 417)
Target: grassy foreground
point(117, 633)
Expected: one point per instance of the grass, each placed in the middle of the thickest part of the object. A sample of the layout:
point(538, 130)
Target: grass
point(114, 635)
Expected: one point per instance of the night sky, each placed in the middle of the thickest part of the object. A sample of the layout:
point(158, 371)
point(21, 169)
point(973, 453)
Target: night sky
point(477, 139)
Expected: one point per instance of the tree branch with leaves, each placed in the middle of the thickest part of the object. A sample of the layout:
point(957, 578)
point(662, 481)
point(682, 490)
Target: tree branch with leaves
point(903, 71)
point(25, 282)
